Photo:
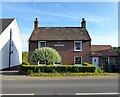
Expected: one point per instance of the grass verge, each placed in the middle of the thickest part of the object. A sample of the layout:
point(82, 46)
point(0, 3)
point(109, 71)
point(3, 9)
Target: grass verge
point(70, 74)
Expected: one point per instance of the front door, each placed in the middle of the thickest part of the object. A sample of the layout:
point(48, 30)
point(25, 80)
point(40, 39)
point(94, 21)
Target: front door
point(95, 61)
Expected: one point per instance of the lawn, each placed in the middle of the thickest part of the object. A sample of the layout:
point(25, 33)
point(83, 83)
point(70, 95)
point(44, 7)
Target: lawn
point(71, 74)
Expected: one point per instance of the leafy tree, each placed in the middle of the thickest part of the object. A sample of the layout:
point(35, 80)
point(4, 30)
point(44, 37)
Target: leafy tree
point(46, 55)
point(25, 56)
point(117, 49)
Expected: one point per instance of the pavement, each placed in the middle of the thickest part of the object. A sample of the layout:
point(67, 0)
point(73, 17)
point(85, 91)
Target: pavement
point(14, 75)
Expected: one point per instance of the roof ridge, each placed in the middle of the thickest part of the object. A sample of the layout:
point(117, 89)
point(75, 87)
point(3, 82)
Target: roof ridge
point(100, 45)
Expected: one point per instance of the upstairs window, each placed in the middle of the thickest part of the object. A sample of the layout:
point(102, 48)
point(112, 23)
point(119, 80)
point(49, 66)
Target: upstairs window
point(41, 44)
point(77, 45)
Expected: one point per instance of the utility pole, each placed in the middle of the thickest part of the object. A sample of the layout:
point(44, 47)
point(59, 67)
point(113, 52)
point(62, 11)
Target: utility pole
point(10, 44)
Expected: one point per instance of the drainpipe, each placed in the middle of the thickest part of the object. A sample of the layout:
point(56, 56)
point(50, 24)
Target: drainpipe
point(10, 43)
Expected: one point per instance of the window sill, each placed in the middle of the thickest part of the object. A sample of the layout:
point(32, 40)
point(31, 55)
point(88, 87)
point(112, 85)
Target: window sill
point(77, 50)
point(78, 64)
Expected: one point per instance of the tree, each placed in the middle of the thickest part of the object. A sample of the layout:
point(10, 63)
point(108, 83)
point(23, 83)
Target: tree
point(25, 56)
point(117, 49)
point(46, 55)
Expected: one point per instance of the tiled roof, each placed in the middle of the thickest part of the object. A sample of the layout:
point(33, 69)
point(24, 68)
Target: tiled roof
point(102, 50)
point(101, 47)
point(59, 33)
point(4, 23)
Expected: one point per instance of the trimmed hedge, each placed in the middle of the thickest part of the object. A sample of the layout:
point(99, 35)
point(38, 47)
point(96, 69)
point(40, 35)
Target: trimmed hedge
point(56, 69)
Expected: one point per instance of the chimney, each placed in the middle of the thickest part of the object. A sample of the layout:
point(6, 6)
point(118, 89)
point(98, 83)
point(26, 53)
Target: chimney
point(36, 23)
point(83, 23)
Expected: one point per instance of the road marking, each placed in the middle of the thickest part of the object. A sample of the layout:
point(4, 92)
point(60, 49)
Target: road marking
point(97, 93)
point(15, 94)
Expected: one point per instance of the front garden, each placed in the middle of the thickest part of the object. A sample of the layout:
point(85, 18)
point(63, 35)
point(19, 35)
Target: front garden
point(62, 70)
point(49, 56)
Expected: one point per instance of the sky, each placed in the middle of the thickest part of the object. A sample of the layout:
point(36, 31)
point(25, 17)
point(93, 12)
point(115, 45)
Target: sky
point(101, 18)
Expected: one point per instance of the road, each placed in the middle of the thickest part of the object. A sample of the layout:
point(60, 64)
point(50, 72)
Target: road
point(61, 86)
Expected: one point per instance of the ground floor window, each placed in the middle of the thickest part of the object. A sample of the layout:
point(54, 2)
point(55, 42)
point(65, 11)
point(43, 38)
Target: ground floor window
point(105, 60)
point(78, 60)
point(42, 63)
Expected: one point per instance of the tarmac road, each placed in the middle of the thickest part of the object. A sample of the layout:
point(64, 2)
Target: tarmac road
point(58, 85)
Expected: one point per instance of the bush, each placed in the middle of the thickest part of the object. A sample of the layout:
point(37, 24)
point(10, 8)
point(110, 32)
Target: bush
point(46, 55)
point(57, 69)
point(98, 70)
point(87, 64)
point(25, 56)
point(25, 63)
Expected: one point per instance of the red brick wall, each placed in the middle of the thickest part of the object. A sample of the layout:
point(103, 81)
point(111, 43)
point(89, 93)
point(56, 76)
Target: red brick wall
point(113, 60)
point(32, 46)
point(66, 52)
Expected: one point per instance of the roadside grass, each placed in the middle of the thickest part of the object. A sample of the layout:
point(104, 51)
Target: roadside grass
point(70, 74)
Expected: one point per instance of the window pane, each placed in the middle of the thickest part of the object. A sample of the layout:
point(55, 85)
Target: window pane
point(105, 60)
point(42, 44)
point(77, 60)
point(41, 62)
point(78, 45)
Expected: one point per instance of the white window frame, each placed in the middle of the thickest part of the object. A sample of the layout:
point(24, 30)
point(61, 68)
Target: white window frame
point(80, 45)
point(108, 58)
point(41, 64)
point(40, 42)
point(58, 64)
point(81, 61)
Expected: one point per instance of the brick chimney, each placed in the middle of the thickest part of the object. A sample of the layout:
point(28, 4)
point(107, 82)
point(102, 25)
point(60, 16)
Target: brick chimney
point(36, 23)
point(83, 23)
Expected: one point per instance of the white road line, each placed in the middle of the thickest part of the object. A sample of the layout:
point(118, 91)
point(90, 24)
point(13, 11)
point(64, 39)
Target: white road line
point(15, 94)
point(97, 93)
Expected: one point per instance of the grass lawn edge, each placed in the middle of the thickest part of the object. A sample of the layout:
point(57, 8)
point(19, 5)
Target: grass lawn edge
point(71, 74)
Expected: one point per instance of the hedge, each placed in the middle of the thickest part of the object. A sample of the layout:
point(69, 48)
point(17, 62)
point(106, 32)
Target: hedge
point(56, 69)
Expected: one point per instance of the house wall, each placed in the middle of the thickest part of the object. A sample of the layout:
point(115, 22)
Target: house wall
point(0, 58)
point(16, 57)
point(66, 52)
point(32, 46)
point(113, 60)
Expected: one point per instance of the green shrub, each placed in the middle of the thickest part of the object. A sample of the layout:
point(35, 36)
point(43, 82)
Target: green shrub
point(57, 69)
point(87, 64)
point(98, 70)
point(25, 56)
point(29, 72)
point(25, 63)
point(46, 55)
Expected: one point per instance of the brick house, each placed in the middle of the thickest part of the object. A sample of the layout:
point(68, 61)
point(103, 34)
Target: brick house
point(72, 43)
point(103, 54)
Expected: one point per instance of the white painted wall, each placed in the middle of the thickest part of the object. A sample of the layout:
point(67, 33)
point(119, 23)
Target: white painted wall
point(16, 57)
point(0, 59)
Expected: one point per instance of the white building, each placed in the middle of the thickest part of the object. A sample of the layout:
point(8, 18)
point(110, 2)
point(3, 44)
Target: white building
point(10, 43)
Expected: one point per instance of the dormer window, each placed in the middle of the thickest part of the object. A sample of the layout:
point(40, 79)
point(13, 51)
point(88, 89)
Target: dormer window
point(77, 45)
